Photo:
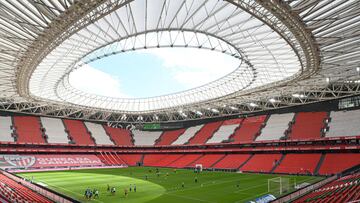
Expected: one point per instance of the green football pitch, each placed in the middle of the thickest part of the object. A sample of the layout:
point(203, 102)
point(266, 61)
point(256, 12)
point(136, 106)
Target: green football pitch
point(212, 187)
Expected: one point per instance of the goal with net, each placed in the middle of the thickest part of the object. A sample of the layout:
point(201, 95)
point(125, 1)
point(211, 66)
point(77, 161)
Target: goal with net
point(278, 186)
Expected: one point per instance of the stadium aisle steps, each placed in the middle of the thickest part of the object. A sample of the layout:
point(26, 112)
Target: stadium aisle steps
point(319, 164)
point(277, 163)
point(131, 159)
point(169, 137)
point(336, 162)
point(205, 133)
point(298, 164)
point(219, 160)
point(28, 129)
point(248, 129)
point(78, 132)
point(308, 125)
point(119, 136)
point(261, 163)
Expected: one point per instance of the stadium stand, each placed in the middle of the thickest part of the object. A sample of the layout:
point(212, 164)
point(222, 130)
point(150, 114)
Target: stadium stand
point(145, 137)
point(167, 160)
point(337, 162)
point(169, 137)
point(119, 136)
point(207, 160)
point(185, 160)
point(298, 164)
point(28, 129)
point(261, 163)
point(5, 129)
point(111, 158)
point(189, 133)
point(78, 132)
point(55, 130)
point(130, 159)
point(345, 189)
point(308, 125)
point(98, 133)
point(232, 161)
point(275, 127)
point(15, 192)
point(205, 133)
point(344, 123)
point(153, 159)
point(249, 129)
point(225, 131)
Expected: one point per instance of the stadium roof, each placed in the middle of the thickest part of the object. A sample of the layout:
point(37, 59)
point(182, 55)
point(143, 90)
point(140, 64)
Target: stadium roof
point(289, 52)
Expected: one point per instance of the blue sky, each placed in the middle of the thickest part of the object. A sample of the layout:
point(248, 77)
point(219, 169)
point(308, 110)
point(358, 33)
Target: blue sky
point(152, 72)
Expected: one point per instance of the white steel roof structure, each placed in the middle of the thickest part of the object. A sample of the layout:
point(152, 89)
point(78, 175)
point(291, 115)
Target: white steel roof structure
point(290, 53)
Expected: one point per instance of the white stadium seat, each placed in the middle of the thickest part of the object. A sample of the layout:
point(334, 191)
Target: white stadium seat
point(55, 130)
point(275, 127)
point(98, 132)
point(224, 132)
point(5, 130)
point(189, 133)
point(146, 137)
point(344, 123)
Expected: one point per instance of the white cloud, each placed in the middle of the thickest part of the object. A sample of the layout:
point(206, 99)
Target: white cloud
point(194, 67)
point(91, 80)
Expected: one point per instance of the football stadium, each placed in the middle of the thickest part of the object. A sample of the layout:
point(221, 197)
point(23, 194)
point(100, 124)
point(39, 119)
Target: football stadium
point(173, 101)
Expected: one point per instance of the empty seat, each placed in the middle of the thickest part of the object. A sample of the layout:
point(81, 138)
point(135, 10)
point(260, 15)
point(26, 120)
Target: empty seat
point(5, 129)
point(98, 133)
point(298, 164)
point(344, 123)
point(28, 129)
point(275, 127)
point(225, 131)
point(78, 132)
point(146, 137)
point(185, 160)
point(169, 137)
point(120, 136)
point(205, 133)
point(130, 159)
point(232, 161)
point(337, 162)
point(261, 163)
point(207, 160)
point(188, 134)
point(249, 128)
point(308, 125)
point(55, 130)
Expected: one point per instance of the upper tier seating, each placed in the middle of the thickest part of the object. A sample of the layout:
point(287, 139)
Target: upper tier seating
point(338, 162)
point(205, 133)
point(98, 133)
point(5, 129)
point(225, 131)
point(261, 163)
point(146, 137)
point(298, 164)
point(78, 132)
point(130, 159)
point(15, 192)
point(55, 130)
point(28, 129)
point(249, 128)
point(345, 189)
point(120, 136)
point(275, 127)
point(308, 125)
point(169, 137)
point(344, 123)
point(185, 160)
point(207, 160)
point(189, 133)
point(232, 161)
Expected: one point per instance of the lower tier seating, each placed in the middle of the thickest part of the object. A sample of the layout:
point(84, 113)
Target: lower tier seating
point(130, 159)
point(261, 163)
point(207, 160)
point(15, 192)
point(345, 189)
point(153, 159)
point(185, 160)
point(336, 162)
point(110, 158)
point(298, 164)
point(232, 161)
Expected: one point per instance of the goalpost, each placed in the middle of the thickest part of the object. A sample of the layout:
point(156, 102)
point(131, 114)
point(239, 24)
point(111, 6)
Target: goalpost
point(198, 167)
point(278, 185)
